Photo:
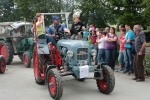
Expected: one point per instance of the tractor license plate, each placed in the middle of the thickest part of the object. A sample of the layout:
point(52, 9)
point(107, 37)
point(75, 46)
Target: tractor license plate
point(84, 71)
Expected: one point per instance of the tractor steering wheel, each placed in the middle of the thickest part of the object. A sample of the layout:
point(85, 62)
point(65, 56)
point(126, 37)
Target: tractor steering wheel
point(62, 35)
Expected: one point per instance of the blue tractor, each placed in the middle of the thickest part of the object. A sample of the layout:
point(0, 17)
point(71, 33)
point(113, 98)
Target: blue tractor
point(71, 57)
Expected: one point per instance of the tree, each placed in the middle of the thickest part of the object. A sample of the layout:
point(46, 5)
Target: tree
point(29, 8)
point(93, 12)
point(7, 9)
point(146, 10)
point(127, 11)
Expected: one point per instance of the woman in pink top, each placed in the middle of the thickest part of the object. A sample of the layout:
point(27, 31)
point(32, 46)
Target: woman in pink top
point(122, 55)
point(93, 40)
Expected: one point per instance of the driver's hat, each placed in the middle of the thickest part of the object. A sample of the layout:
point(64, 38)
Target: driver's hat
point(55, 18)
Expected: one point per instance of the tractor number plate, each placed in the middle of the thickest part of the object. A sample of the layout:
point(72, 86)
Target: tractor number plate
point(84, 71)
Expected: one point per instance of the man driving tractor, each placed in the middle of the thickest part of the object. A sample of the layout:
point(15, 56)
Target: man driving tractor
point(56, 27)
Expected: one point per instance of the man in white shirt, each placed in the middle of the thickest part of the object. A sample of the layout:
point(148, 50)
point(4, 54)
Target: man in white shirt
point(16, 32)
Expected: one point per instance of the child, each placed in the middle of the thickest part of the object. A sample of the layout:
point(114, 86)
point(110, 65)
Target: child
point(93, 40)
point(89, 40)
point(85, 34)
point(122, 55)
point(101, 47)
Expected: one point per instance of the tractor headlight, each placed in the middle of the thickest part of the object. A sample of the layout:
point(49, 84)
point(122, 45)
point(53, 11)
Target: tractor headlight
point(70, 54)
point(93, 52)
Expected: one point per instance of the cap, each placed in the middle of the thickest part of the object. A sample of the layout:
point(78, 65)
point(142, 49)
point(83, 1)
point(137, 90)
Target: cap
point(55, 18)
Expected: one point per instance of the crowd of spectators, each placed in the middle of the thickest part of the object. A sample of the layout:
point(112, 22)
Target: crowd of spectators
point(106, 41)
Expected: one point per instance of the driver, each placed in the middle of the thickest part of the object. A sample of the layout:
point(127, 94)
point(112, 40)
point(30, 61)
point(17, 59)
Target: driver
point(56, 27)
point(16, 32)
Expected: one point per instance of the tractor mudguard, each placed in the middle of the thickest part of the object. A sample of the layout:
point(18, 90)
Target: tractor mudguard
point(5, 39)
point(103, 63)
point(99, 69)
point(49, 67)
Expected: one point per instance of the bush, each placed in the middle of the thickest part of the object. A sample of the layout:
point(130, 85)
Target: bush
point(147, 35)
point(146, 63)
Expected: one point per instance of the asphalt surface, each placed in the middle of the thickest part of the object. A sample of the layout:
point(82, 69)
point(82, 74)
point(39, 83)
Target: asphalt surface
point(18, 83)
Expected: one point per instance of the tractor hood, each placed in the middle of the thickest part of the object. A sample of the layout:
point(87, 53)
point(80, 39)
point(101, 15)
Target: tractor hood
point(72, 43)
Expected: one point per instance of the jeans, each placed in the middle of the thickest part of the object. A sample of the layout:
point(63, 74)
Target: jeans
point(110, 57)
point(96, 57)
point(129, 59)
point(121, 58)
point(48, 38)
point(93, 46)
point(101, 55)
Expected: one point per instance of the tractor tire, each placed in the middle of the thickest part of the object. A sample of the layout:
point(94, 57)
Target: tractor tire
point(2, 65)
point(38, 80)
point(41, 62)
point(107, 84)
point(55, 85)
point(27, 59)
point(21, 57)
point(6, 50)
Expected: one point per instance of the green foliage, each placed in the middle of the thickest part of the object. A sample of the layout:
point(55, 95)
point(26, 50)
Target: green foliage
point(127, 11)
point(93, 12)
point(101, 13)
point(6, 9)
point(146, 63)
point(146, 11)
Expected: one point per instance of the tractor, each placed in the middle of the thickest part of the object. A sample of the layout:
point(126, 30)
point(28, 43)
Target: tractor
point(12, 44)
point(2, 64)
point(70, 57)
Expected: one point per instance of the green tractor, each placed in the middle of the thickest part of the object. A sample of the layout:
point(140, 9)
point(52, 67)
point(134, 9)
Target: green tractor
point(16, 38)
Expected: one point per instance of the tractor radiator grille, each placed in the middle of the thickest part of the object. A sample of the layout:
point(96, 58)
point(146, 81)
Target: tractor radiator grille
point(82, 53)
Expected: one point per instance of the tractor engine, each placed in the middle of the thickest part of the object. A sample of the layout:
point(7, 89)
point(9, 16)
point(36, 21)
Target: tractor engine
point(74, 52)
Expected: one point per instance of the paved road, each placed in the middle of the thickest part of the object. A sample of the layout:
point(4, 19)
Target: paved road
point(18, 84)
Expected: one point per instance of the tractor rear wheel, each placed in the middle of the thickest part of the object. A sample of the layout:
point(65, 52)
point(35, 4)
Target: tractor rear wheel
point(38, 78)
point(27, 59)
point(55, 84)
point(6, 50)
point(2, 65)
point(107, 84)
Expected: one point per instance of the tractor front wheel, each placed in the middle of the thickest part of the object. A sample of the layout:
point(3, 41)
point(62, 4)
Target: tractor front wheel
point(2, 65)
point(55, 84)
point(6, 50)
point(27, 59)
point(107, 84)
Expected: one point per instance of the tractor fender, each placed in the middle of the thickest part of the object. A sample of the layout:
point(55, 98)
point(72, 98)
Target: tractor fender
point(49, 67)
point(103, 63)
point(99, 67)
point(4, 39)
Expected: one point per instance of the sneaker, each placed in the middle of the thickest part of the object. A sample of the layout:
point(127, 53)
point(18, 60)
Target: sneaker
point(125, 71)
point(140, 80)
point(117, 70)
point(130, 72)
